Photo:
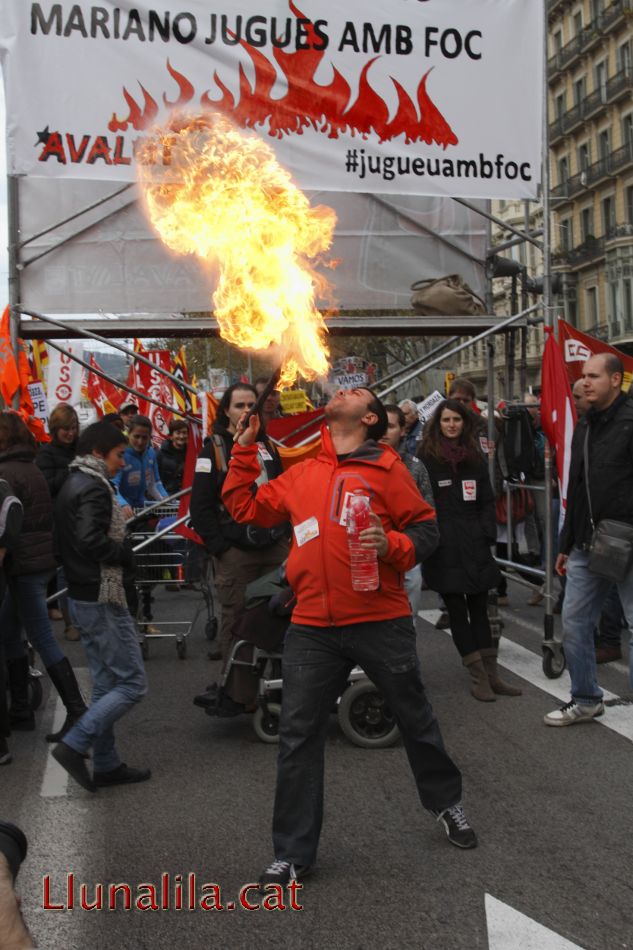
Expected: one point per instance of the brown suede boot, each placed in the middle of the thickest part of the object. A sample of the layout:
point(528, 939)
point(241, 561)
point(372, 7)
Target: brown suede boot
point(499, 686)
point(481, 687)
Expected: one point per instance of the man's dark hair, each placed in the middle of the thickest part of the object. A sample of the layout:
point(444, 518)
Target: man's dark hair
point(225, 401)
point(128, 407)
point(613, 364)
point(114, 418)
point(176, 424)
point(102, 436)
point(396, 411)
point(379, 428)
point(140, 422)
point(463, 385)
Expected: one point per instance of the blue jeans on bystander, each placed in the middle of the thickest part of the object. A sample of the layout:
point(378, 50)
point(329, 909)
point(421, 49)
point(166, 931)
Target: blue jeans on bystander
point(110, 640)
point(585, 594)
point(24, 608)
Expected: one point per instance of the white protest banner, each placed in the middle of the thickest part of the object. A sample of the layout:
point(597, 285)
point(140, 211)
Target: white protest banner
point(351, 371)
point(38, 398)
point(427, 407)
point(64, 375)
point(441, 97)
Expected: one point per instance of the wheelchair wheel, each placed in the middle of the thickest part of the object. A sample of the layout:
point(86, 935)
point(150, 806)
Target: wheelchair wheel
point(554, 663)
point(365, 718)
point(266, 725)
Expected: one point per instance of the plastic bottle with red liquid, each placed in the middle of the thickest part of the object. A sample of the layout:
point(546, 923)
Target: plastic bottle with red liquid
point(363, 561)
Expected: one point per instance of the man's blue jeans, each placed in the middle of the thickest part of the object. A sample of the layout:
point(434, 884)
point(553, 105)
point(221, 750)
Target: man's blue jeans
point(316, 664)
point(109, 637)
point(24, 608)
point(585, 595)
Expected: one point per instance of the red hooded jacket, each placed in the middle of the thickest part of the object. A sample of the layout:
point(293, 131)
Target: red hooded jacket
point(315, 491)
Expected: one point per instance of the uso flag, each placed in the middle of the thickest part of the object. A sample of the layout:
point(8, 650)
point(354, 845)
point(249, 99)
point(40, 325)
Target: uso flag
point(558, 413)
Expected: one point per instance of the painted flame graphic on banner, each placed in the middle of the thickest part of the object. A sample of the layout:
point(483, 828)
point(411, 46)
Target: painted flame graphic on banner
point(216, 192)
point(327, 109)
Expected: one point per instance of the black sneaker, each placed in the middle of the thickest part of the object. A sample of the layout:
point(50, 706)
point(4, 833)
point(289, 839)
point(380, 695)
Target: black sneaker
point(282, 872)
point(456, 826)
point(443, 621)
point(122, 775)
point(75, 765)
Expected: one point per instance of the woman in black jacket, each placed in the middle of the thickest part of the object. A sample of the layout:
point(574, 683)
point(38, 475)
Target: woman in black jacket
point(53, 459)
point(462, 568)
point(28, 567)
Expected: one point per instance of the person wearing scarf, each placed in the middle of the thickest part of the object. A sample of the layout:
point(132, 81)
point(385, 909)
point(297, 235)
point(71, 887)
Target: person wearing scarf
point(462, 569)
point(91, 542)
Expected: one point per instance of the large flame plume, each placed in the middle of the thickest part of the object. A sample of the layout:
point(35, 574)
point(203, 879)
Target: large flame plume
point(219, 193)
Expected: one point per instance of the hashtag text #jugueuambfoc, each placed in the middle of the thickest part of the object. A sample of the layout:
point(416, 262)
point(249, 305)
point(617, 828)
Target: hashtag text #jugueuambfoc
point(390, 167)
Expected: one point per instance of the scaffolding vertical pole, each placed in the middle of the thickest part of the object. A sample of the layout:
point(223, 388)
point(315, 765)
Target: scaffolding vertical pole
point(490, 358)
point(13, 208)
point(548, 622)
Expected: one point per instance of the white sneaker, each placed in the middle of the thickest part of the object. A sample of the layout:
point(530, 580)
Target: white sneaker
point(573, 712)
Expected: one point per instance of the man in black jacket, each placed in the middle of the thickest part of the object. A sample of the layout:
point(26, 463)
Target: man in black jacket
point(241, 553)
point(606, 491)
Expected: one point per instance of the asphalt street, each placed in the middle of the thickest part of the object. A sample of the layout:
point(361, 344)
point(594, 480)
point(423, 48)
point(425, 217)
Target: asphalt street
point(551, 808)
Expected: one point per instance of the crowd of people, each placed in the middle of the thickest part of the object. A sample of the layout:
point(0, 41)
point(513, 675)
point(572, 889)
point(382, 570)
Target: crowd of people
point(435, 520)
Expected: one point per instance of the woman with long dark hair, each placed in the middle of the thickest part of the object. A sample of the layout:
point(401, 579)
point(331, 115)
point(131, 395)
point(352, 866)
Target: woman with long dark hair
point(462, 568)
point(29, 567)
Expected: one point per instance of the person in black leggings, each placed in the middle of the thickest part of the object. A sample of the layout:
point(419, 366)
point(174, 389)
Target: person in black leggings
point(462, 568)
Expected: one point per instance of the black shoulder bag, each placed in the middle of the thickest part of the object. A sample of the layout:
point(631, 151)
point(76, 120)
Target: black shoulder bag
point(611, 545)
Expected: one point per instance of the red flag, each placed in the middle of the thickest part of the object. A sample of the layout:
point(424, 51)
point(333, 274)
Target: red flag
point(9, 376)
point(577, 347)
point(194, 444)
point(558, 413)
point(103, 394)
point(296, 429)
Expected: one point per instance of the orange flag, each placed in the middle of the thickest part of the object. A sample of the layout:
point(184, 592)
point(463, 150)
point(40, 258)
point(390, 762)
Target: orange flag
point(9, 375)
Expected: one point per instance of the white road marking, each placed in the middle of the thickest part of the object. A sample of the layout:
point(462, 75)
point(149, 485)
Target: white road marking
point(508, 929)
point(528, 666)
point(55, 780)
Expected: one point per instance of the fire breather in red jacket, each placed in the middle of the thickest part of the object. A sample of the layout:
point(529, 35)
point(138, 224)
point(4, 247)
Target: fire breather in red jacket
point(313, 495)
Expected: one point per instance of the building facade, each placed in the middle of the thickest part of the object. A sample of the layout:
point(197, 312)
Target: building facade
point(590, 111)
point(590, 120)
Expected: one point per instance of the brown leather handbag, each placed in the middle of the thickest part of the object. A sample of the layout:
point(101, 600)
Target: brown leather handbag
point(446, 296)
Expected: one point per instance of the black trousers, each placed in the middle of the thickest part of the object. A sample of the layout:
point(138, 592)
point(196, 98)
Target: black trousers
point(316, 664)
point(470, 626)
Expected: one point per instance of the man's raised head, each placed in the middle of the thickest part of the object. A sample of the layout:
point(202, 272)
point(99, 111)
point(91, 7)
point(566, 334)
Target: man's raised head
point(357, 410)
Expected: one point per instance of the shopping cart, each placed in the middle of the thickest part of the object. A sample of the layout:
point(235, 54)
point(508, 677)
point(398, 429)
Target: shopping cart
point(160, 558)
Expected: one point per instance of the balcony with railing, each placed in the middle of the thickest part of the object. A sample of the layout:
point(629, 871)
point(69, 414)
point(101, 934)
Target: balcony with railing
point(592, 175)
point(591, 249)
point(589, 36)
point(613, 89)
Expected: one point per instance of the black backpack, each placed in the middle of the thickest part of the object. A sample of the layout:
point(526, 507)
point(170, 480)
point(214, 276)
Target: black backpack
point(520, 457)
